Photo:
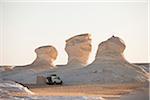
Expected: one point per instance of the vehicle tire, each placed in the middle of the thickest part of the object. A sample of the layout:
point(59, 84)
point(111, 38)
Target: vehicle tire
point(61, 83)
point(55, 83)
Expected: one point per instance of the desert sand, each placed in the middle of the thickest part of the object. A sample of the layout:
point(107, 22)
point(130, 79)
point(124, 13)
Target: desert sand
point(107, 92)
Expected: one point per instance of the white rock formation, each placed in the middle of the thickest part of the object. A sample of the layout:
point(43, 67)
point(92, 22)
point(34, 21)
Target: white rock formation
point(46, 55)
point(28, 74)
point(78, 49)
point(111, 49)
point(109, 67)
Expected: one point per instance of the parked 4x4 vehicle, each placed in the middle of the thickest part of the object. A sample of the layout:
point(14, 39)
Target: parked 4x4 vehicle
point(54, 80)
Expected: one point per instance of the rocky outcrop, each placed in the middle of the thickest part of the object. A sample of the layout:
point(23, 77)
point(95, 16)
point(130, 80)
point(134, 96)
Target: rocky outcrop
point(46, 55)
point(8, 87)
point(28, 74)
point(109, 67)
point(78, 49)
point(111, 50)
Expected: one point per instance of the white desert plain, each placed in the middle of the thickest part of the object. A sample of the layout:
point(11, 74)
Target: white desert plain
point(109, 77)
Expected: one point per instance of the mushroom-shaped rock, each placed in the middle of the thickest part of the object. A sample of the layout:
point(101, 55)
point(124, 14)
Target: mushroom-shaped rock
point(28, 74)
point(78, 49)
point(45, 55)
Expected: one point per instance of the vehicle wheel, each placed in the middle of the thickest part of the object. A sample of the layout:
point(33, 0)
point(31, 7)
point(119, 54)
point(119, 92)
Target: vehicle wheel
point(55, 83)
point(61, 83)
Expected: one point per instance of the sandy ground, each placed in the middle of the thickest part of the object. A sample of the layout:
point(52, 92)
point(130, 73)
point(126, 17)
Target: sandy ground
point(109, 92)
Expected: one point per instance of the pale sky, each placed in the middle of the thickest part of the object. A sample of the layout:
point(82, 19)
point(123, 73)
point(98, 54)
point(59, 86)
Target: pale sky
point(25, 26)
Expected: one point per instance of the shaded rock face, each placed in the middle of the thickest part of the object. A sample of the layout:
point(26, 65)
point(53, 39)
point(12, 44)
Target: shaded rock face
point(8, 87)
point(78, 49)
point(111, 49)
point(41, 80)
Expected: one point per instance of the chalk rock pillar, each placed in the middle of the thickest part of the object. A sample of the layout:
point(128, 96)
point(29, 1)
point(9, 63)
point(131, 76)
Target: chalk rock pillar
point(46, 55)
point(78, 49)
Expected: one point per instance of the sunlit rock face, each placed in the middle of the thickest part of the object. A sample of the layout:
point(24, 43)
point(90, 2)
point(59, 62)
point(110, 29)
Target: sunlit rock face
point(78, 49)
point(111, 50)
point(109, 67)
point(45, 55)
